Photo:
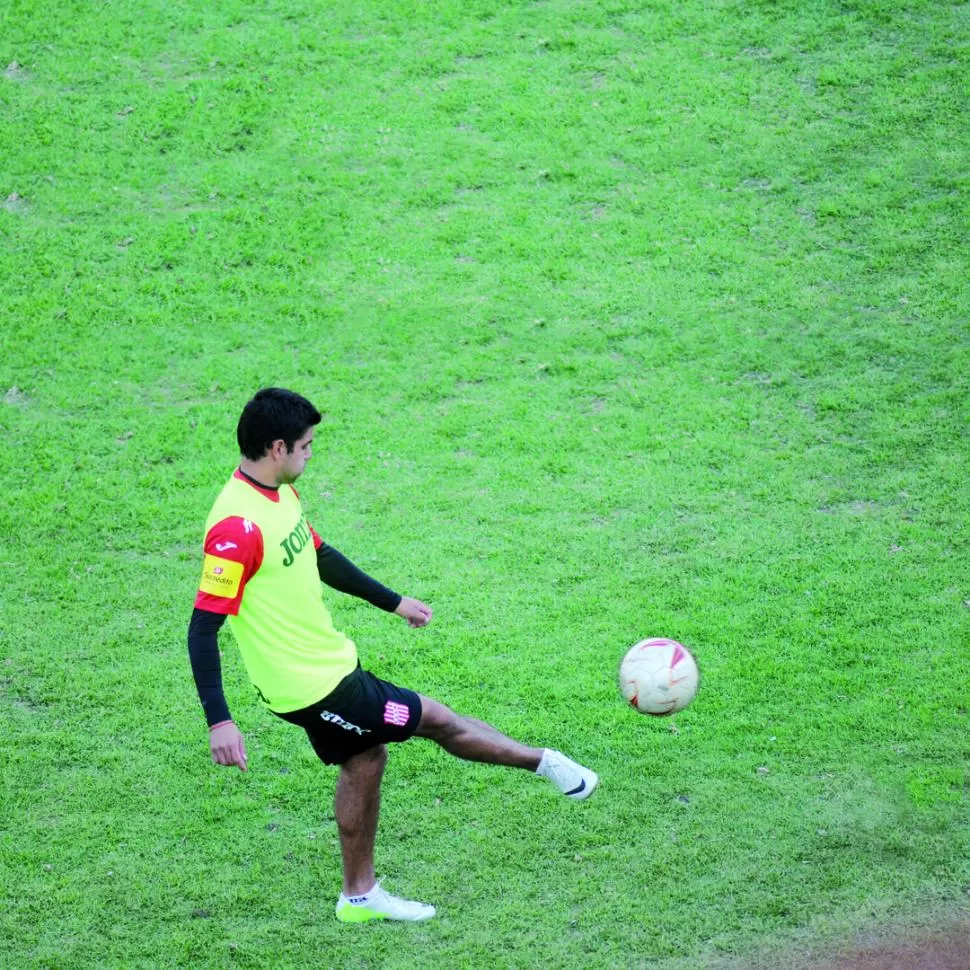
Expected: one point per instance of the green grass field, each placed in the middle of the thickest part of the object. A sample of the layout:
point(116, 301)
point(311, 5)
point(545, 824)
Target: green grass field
point(628, 319)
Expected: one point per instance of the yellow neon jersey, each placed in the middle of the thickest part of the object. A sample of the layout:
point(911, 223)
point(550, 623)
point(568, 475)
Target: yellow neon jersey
point(260, 568)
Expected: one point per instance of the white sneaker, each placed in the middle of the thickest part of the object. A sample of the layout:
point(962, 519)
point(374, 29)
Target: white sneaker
point(380, 904)
point(573, 780)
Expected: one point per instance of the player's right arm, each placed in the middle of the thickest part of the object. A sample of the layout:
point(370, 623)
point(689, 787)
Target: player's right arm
point(233, 552)
point(226, 742)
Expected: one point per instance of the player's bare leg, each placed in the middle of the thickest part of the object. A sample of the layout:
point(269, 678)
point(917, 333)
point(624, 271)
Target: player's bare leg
point(356, 806)
point(474, 740)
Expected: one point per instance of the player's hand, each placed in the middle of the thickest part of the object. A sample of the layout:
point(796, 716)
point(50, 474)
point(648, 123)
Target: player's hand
point(227, 746)
point(414, 611)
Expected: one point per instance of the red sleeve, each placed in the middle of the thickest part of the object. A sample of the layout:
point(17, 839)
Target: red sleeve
point(233, 552)
point(317, 541)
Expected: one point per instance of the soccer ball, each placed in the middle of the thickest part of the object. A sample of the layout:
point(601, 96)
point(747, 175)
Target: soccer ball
point(658, 677)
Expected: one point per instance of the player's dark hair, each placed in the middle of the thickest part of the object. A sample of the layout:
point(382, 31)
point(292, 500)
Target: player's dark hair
point(274, 413)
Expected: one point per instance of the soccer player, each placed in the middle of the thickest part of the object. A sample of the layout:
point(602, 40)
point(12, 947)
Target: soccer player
point(263, 564)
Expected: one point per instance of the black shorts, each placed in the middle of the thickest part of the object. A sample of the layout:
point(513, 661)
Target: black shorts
point(361, 712)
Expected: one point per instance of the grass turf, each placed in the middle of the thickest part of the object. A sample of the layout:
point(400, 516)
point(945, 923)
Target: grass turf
point(628, 320)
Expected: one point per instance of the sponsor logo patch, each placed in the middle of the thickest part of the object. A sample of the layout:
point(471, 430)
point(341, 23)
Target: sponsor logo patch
point(220, 577)
point(396, 714)
point(225, 546)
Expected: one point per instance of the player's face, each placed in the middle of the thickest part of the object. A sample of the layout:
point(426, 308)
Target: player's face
point(295, 461)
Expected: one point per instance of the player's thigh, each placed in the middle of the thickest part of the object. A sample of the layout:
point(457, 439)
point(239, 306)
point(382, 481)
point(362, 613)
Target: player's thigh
point(367, 763)
point(436, 718)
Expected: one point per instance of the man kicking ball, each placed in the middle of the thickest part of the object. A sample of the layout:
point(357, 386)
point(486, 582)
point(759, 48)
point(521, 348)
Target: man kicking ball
point(262, 568)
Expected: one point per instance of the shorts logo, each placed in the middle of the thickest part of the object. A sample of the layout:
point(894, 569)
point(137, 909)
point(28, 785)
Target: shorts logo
point(340, 722)
point(224, 546)
point(396, 714)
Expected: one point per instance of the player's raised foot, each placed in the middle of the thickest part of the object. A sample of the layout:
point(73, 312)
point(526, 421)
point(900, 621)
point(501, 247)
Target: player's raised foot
point(380, 904)
point(573, 780)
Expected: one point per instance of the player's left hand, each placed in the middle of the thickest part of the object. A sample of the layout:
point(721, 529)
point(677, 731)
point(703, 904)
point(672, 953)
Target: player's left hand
point(414, 611)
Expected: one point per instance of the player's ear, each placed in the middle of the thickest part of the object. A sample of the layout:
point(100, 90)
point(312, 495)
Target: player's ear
point(277, 449)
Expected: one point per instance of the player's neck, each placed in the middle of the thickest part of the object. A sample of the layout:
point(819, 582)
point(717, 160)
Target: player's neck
point(261, 472)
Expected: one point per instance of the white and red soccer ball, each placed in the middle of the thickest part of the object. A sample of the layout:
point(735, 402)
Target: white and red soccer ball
point(658, 677)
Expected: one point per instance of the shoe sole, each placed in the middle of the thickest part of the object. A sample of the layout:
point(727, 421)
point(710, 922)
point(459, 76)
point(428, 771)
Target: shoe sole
point(360, 914)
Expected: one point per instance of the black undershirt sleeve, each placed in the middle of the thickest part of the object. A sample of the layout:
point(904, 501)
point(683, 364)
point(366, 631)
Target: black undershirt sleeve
point(338, 572)
point(206, 669)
